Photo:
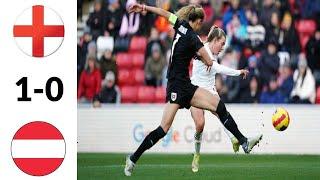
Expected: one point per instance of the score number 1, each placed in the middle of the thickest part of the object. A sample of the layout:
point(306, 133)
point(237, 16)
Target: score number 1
point(24, 83)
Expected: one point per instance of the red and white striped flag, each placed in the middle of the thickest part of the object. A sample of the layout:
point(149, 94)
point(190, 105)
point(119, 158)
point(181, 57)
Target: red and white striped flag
point(38, 148)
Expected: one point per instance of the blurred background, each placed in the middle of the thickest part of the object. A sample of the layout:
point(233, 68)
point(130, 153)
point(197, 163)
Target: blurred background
point(122, 58)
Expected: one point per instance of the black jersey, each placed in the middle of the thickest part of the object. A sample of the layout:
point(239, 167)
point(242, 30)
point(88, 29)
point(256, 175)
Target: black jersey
point(184, 47)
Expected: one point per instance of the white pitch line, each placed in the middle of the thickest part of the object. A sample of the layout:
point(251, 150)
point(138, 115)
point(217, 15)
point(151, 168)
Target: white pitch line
point(204, 165)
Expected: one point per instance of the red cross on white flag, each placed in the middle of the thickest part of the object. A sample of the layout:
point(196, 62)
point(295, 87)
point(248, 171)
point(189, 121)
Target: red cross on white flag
point(38, 31)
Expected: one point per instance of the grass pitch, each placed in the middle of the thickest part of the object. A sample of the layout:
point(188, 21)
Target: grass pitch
point(107, 166)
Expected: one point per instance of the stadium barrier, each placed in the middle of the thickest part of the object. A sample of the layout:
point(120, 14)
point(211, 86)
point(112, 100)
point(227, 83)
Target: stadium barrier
point(122, 128)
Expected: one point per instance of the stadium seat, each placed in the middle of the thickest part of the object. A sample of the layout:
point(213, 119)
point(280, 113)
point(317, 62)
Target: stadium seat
point(160, 95)
point(303, 41)
point(125, 77)
point(146, 94)
point(218, 22)
point(138, 60)
point(306, 26)
point(318, 96)
point(128, 94)
point(138, 44)
point(208, 10)
point(124, 61)
point(104, 43)
point(138, 76)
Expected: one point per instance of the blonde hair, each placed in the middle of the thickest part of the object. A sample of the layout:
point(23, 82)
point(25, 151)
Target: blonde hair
point(215, 32)
point(190, 13)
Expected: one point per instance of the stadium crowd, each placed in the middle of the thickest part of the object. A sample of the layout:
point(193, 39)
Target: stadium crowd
point(122, 58)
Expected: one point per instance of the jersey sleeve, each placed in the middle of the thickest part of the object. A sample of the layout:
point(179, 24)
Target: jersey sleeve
point(218, 68)
point(196, 42)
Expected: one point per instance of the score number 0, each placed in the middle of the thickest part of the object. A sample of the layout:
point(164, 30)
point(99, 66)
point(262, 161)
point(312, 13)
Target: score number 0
point(24, 82)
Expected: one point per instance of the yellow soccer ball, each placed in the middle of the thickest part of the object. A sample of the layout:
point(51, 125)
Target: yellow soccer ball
point(280, 119)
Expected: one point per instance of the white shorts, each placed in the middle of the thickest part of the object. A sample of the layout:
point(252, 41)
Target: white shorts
point(211, 90)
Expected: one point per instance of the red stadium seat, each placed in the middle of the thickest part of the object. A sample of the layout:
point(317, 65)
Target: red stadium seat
point(125, 77)
point(318, 96)
point(146, 94)
point(218, 22)
point(129, 94)
point(303, 41)
point(138, 44)
point(306, 26)
point(208, 11)
point(160, 95)
point(124, 61)
point(138, 60)
point(138, 76)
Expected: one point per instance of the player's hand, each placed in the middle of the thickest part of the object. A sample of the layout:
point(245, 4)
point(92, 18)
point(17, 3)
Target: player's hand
point(244, 73)
point(135, 8)
point(209, 68)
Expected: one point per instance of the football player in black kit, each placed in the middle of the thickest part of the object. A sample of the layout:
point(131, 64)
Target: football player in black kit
point(180, 92)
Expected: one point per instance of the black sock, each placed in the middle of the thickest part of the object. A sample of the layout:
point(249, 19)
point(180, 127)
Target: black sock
point(228, 122)
point(151, 139)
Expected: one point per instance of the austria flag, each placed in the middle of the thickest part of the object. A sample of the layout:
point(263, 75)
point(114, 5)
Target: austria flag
point(38, 31)
point(38, 148)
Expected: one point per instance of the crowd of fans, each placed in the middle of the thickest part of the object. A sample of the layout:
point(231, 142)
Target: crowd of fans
point(278, 41)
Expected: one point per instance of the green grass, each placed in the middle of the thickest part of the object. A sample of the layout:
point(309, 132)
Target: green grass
point(212, 166)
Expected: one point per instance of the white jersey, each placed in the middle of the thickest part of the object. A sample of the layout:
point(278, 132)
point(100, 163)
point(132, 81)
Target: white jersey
point(206, 79)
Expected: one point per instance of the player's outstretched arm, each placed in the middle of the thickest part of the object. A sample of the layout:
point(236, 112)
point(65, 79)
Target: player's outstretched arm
point(138, 8)
point(229, 71)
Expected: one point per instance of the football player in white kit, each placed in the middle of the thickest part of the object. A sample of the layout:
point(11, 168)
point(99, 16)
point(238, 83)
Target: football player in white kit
point(205, 78)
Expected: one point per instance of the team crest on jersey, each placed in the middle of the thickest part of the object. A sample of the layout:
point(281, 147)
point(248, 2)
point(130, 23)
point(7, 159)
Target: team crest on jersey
point(173, 96)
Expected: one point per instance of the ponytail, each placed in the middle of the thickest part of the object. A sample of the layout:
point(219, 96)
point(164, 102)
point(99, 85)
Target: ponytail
point(190, 13)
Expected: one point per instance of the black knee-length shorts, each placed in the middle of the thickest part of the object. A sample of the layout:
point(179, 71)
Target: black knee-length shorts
point(180, 92)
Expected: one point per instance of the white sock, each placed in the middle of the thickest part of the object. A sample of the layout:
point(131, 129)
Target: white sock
point(197, 142)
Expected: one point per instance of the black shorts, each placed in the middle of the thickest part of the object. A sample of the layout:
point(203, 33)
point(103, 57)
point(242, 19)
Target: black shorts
point(180, 92)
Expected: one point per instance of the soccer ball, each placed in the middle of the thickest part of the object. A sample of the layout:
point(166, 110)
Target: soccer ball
point(280, 119)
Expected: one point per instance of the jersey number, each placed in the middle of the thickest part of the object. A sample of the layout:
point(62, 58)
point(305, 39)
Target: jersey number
point(174, 45)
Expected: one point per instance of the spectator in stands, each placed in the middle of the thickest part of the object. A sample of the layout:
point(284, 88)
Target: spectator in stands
point(273, 30)
point(130, 22)
point(96, 20)
point(234, 9)
point(272, 95)
point(108, 63)
point(153, 39)
point(251, 94)
point(90, 81)
point(113, 18)
point(236, 31)
point(288, 37)
point(267, 10)
point(92, 49)
point(155, 66)
point(79, 10)
point(313, 51)
point(84, 42)
point(256, 33)
point(268, 63)
point(109, 93)
point(304, 83)
point(308, 8)
point(285, 81)
point(231, 59)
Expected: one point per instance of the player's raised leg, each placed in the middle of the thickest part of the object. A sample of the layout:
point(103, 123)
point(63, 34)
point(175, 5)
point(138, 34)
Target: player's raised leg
point(205, 100)
point(198, 117)
point(153, 137)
